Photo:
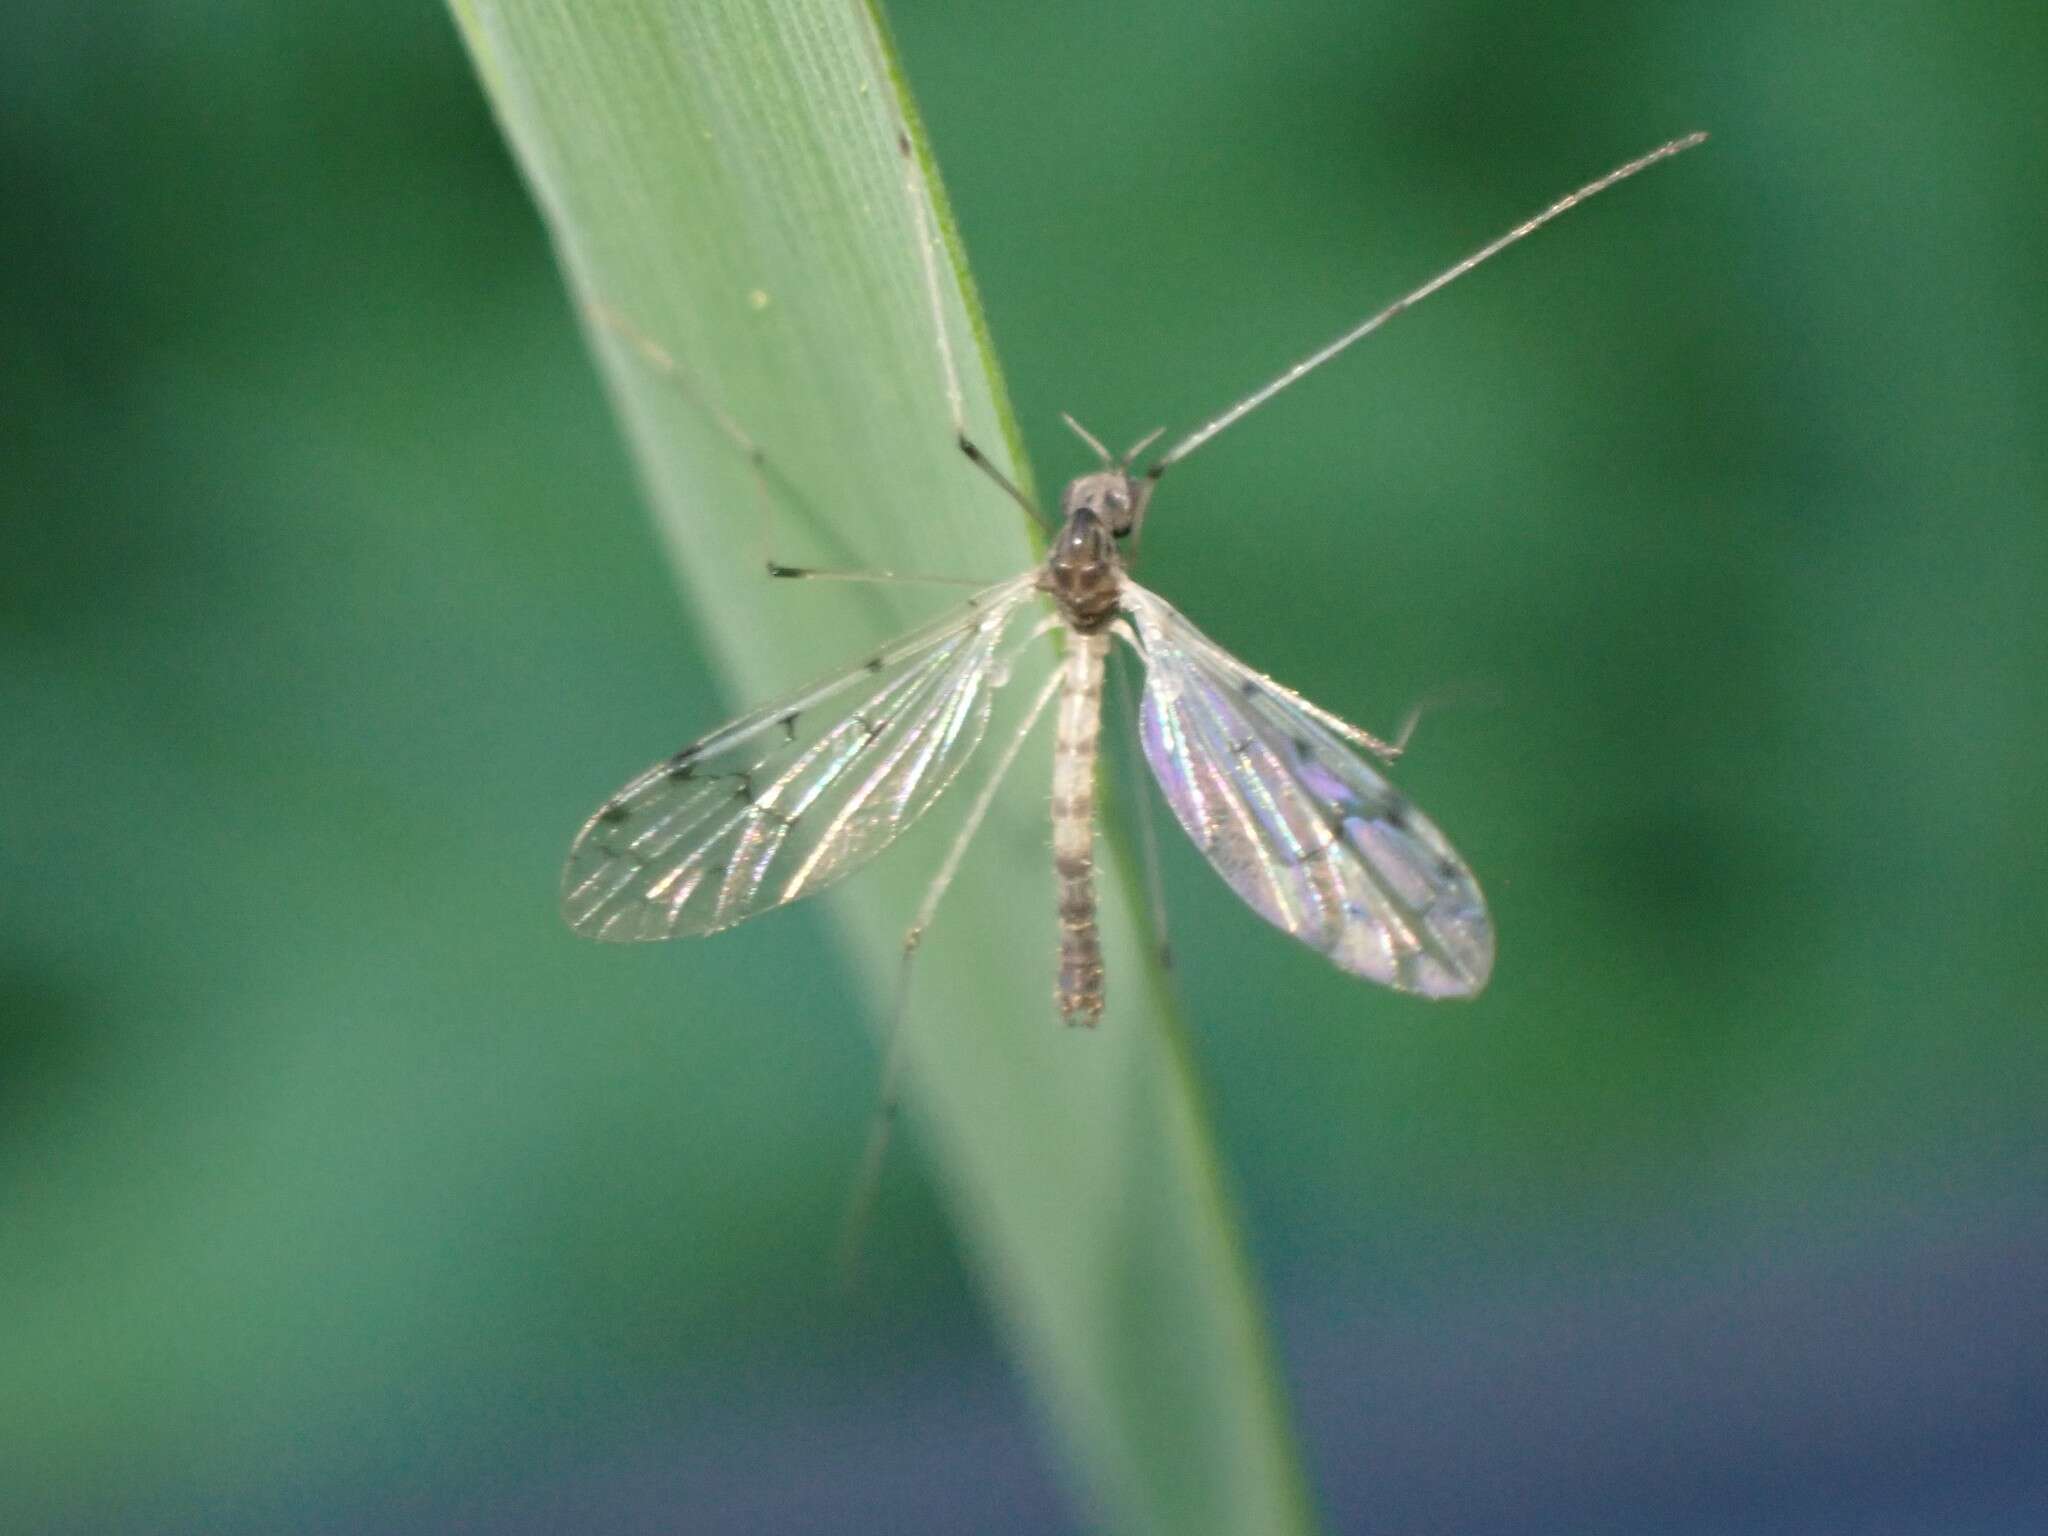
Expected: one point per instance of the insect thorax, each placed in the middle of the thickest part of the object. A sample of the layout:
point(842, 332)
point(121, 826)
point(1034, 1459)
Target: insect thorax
point(1083, 573)
point(1083, 570)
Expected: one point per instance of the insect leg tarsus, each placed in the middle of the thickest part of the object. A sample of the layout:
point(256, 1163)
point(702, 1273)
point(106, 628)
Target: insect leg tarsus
point(881, 1123)
point(685, 384)
point(761, 470)
point(925, 232)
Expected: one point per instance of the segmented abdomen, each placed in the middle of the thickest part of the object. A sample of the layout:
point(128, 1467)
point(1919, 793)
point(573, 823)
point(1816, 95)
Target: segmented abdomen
point(1079, 724)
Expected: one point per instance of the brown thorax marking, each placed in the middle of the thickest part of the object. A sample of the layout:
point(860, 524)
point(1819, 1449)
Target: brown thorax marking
point(1084, 569)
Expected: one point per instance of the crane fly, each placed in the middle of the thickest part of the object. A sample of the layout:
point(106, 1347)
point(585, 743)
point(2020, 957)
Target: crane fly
point(1287, 802)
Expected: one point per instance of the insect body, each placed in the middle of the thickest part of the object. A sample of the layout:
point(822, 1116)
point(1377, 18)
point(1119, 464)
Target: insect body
point(1286, 801)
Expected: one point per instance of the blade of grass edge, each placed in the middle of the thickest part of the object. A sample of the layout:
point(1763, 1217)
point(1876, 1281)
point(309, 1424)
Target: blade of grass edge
point(725, 175)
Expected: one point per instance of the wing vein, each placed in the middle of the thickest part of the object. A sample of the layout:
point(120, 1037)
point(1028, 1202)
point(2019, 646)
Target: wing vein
point(788, 798)
point(1310, 835)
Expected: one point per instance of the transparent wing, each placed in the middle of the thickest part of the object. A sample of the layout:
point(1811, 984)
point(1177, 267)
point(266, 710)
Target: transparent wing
point(1277, 795)
point(785, 800)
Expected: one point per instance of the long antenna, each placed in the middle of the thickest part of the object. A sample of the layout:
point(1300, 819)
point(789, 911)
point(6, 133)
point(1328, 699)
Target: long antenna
point(1315, 360)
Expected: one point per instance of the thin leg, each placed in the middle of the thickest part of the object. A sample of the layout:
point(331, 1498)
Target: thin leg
point(918, 194)
point(1400, 742)
point(999, 674)
point(1365, 328)
point(1009, 488)
point(1430, 703)
point(662, 361)
point(1386, 751)
point(1148, 830)
point(882, 1123)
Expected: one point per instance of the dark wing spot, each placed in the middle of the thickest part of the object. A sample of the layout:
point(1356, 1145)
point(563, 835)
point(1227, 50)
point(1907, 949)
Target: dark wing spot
point(1333, 835)
point(1447, 870)
point(1303, 749)
point(613, 813)
point(788, 724)
point(874, 663)
point(1397, 813)
point(1249, 688)
point(902, 143)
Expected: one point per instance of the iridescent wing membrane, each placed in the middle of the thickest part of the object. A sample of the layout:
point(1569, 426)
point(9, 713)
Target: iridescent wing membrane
point(785, 800)
point(1315, 840)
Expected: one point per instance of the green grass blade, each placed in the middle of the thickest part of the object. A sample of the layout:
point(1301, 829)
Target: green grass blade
point(725, 175)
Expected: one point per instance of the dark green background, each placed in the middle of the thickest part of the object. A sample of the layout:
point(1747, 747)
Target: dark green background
point(340, 1189)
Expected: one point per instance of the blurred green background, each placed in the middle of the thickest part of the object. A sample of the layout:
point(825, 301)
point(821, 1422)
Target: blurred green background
point(341, 1190)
